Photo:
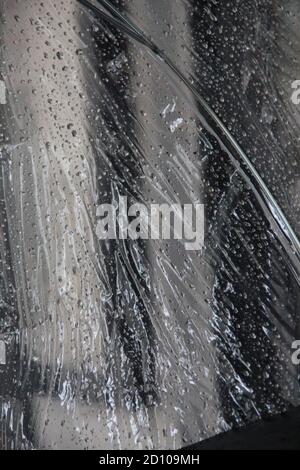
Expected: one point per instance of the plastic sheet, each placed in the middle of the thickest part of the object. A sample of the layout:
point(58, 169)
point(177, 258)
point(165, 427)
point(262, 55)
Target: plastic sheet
point(141, 343)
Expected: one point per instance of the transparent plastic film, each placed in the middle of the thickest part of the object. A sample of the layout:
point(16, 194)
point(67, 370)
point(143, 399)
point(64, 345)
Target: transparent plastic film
point(153, 340)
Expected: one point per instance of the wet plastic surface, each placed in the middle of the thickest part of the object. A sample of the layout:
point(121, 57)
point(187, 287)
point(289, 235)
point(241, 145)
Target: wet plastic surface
point(143, 344)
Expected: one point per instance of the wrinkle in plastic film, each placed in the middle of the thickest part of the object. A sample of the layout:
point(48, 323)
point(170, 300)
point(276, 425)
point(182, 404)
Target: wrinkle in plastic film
point(142, 343)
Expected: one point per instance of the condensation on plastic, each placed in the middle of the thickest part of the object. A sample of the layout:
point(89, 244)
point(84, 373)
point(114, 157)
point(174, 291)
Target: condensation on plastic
point(142, 344)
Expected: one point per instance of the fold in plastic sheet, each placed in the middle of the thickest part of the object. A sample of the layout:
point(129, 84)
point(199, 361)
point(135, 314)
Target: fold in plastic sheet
point(143, 344)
